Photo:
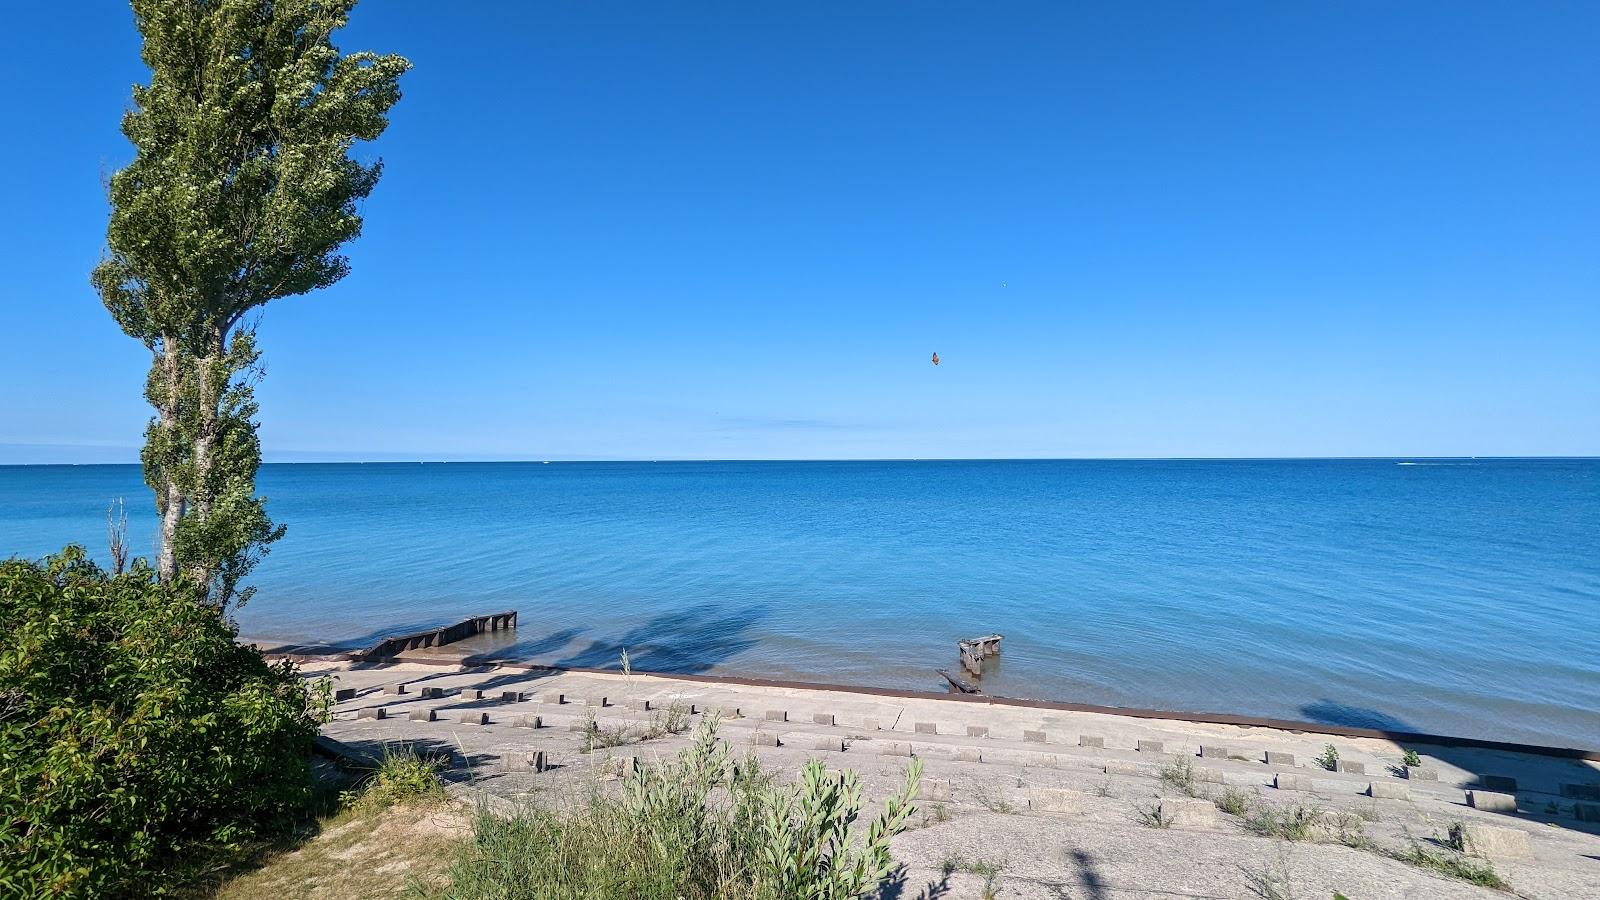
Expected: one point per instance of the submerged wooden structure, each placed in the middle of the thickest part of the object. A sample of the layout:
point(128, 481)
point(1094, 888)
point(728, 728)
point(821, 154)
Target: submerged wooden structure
point(975, 650)
point(438, 637)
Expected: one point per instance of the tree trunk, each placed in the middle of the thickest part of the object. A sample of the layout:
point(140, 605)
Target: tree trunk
point(174, 504)
point(209, 395)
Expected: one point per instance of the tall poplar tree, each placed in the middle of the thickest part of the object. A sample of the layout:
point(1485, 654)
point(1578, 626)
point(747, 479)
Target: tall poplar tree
point(242, 191)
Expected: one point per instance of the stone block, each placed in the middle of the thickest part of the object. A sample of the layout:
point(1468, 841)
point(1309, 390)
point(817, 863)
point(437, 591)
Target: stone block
point(776, 715)
point(728, 712)
point(933, 789)
point(432, 693)
point(967, 754)
point(1043, 760)
point(372, 712)
point(622, 766)
point(1285, 781)
point(1091, 740)
point(1033, 737)
point(830, 744)
point(1117, 767)
point(555, 697)
point(927, 728)
point(870, 725)
point(1186, 812)
point(344, 694)
point(1381, 790)
point(822, 719)
point(639, 704)
point(472, 694)
point(1276, 758)
point(595, 702)
point(1586, 812)
point(393, 689)
point(1350, 767)
point(1422, 773)
point(896, 749)
point(474, 718)
point(1054, 800)
point(764, 739)
point(527, 722)
point(523, 761)
point(1500, 784)
point(423, 715)
point(1214, 751)
point(1490, 841)
point(1490, 801)
point(510, 696)
point(1590, 792)
point(1209, 776)
point(1152, 747)
point(977, 731)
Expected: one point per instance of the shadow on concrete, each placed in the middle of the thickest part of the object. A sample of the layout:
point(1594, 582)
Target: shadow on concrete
point(1089, 876)
point(1539, 778)
point(899, 882)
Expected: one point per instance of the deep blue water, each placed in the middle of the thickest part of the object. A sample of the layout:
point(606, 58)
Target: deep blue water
point(1451, 596)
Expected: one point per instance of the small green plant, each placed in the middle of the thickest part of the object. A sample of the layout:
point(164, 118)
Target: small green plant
point(1273, 881)
point(1179, 774)
point(1152, 815)
point(1295, 822)
point(401, 777)
point(988, 871)
point(934, 814)
point(1410, 759)
point(1235, 801)
point(1454, 865)
point(1329, 759)
point(1103, 789)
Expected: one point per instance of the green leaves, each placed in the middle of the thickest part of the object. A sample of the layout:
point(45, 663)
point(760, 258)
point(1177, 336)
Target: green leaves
point(135, 735)
point(242, 191)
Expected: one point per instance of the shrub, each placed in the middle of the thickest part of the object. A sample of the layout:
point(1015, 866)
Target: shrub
point(698, 828)
point(1411, 759)
point(1330, 758)
point(401, 777)
point(137, 739)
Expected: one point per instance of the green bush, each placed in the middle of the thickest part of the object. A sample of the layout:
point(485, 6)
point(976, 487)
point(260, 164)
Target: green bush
point(138, 742)
point(700, 827)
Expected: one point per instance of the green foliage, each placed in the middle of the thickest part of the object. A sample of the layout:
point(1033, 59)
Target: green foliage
point(1179, 775)
point(1235, 801)
point(700, 827)
point(241, 191)
point(137, 739)
point(1411, 759)
point(401, 777)
point(1330, 758)
point(1454, 865)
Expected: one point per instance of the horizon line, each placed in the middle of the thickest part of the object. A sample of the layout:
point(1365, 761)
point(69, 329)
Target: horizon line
point(657, 460)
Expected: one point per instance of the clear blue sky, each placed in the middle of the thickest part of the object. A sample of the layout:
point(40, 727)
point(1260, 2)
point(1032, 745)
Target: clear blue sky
point(684, 229)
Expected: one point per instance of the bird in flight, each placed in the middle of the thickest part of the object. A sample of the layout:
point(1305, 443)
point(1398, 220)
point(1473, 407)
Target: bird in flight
point(936, 358)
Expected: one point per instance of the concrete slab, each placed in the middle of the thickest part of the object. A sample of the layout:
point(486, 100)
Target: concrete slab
point(1383, 790)
point(1285, 781)
point(1092, 740)
point(1055, 800)
point(1214, 751)
point(1186, 812)
point(423, 715)
point(376, 712)
point(1277, 758)
point(1492, 801)
point(1151, 747)
point(1492, 842)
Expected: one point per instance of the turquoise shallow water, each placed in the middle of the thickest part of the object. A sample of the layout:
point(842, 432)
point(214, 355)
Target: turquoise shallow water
point(1450, 596)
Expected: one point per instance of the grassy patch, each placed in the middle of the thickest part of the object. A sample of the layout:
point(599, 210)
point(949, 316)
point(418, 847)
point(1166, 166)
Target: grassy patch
point(697, 828)
point(1329, 759)
point(988, 871)
point(401, 777)
point(1295, 822)
point(1453, 865)
point(675, 719)
point(1152, 816)
point(1235, 801)
point(1179, 775)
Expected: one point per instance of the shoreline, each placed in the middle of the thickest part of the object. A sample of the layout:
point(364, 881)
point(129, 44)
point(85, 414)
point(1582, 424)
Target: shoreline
point(438, 657)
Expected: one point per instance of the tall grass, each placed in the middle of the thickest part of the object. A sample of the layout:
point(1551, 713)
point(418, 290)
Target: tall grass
point(696, 828)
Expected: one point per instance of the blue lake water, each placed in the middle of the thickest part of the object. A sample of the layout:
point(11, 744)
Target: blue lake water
point(1450, 596)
